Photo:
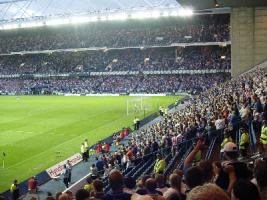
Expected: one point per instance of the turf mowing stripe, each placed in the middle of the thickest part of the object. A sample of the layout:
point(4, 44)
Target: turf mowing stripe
point(67, 141)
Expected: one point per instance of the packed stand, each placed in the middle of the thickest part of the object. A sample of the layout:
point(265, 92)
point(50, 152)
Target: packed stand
point(223, 110)
point(216, 111)
point(203, 28)
point(113, 84)
point(151, 59)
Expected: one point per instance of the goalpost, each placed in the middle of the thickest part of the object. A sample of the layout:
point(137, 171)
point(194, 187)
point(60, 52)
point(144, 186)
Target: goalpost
point(137, 105)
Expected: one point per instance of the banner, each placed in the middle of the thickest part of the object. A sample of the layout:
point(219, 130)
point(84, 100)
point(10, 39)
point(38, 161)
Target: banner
point(103, 94)
point(58, 169)
point(147, 95)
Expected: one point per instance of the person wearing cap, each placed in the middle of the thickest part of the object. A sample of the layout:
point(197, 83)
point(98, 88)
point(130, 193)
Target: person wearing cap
point(227, 138)
point(263, 137)
point(230, 150)
point(244, 142)
point(231, 158)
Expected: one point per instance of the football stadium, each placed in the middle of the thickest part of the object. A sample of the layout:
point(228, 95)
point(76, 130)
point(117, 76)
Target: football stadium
point(141, 100)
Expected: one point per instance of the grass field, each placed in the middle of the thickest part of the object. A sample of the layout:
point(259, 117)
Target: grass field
point(34, 128)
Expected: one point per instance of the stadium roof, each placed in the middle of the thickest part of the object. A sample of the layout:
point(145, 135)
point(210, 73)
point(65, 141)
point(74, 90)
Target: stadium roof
point(206, 4)
point(23, 10)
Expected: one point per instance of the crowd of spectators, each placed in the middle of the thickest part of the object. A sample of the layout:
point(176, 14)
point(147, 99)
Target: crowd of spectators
point(151, 59)
point(113, 84)
point(221, 110)
point(239, 101)
point(199, 29)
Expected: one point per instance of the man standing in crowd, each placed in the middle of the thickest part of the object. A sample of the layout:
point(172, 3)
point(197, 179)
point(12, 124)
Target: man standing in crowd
point(86, 146)
point(14, 190)
point(176, 103)
point(220, 123)
point(136, 123)
point(32, 185)
point(83, 152)
point(244, 142)
point(160, 165)
point(116, 185)
point(161, 111)
point(69, 167)
point(66, 176)
point(231, 155)
point(99, 165)
point(263, 137)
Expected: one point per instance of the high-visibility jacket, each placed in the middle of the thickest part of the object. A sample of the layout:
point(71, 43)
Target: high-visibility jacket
point(159, 166)
point(13, 187)
point(14, 191)
point(136, 120)
point(86, 145)
point(92, 152)
point(225, 141)
point(244, 140)
point(88, 186)
point(83, 149)
point(263, 138)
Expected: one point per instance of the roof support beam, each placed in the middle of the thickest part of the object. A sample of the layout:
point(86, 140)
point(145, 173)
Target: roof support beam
point(11, 1)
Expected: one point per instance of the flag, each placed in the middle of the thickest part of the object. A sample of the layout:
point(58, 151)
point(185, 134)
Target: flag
point(4, 154)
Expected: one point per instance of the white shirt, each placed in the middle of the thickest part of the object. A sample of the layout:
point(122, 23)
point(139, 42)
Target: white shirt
point(219, 123)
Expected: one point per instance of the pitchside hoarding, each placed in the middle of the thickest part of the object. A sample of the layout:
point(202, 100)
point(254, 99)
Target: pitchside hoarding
point(58, 169)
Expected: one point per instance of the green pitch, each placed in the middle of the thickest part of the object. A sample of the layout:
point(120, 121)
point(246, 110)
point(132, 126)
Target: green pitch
point(34, 128)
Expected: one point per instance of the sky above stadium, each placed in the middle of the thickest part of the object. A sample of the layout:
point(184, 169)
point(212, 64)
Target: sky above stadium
point(20, 9)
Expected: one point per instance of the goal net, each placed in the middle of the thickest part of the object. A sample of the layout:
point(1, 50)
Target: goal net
point(138, 105)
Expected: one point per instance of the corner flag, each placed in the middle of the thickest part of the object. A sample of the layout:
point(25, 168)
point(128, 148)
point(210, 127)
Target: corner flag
point(4, 155)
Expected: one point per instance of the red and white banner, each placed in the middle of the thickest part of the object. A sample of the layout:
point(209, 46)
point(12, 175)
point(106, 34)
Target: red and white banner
point(58, 169)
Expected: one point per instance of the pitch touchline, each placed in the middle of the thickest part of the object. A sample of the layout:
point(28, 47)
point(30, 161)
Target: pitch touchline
point(36, 155)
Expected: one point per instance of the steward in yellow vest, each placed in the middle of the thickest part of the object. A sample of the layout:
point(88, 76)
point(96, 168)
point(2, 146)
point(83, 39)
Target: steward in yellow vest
point(160, 165)
point(263, 138)
point(244, 142)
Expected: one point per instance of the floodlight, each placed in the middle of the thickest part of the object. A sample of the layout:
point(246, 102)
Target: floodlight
point(76, 20)
point(141, 15)
point(10, 26)
point(120, 16)
point(93, 19)
point(102, 18)
point(55, 22)
point(31, 24)
point(223, 57)
point(185, 12)
point(174, 13)
point(155, 14)
point(165, 14)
